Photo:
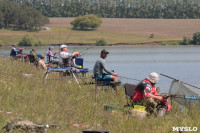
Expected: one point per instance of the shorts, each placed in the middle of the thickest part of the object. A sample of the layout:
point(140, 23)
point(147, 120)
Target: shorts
point(106, 77)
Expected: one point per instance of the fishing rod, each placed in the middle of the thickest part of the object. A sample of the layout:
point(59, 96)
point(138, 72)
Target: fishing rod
point(84, 51)
point(180, 81)
point(128, 78)
point(184, 97)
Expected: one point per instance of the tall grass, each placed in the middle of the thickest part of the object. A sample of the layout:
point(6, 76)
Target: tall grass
point(62, 103)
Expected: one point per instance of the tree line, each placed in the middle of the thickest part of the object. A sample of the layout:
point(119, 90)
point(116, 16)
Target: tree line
point(17, 16)
point(170, 9)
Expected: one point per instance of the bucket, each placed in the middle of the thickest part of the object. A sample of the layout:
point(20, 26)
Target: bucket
point(138, 107)
point(139, 111)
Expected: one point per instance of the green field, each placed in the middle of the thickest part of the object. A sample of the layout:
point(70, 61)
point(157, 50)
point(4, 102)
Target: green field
point(125, 31)
point(62, 103)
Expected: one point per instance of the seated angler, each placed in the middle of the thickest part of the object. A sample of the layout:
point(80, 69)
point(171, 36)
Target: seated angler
point(42, 65)
point(51, 58)
point(16, 53)
point(100, 70)
point(66, 59)
point(33, 57)
point(146, 95)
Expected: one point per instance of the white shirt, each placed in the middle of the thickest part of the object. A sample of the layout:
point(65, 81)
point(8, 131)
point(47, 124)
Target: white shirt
point(64, 55)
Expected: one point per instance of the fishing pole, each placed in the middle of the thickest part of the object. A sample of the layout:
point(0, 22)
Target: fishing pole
point(183, 97)
point(180, 81)
point(128, 78)
point(86, 49)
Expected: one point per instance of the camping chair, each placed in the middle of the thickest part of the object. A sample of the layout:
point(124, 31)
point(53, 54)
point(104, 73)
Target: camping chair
point(106, 82)
point(129, 90)
point(32, 59)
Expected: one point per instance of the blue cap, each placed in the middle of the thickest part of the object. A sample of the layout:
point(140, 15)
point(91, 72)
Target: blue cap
point(51, 47)
point(14, 45)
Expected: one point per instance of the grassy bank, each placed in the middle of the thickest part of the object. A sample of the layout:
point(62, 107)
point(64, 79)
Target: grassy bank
point(63, 103)
point(65, 35)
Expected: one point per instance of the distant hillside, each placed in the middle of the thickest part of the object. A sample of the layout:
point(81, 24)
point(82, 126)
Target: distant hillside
point(117, 8)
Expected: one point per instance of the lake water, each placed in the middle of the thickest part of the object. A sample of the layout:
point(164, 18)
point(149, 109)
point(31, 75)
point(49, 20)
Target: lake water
point(180, 62)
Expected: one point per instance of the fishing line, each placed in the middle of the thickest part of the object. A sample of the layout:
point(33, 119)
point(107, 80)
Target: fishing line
point(86, 50)
point(129, 78)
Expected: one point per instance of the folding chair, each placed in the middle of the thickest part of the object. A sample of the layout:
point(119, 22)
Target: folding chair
point(32, 59)
point(129, 90)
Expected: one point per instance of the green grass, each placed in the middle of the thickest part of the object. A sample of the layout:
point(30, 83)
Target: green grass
point(59, 35)
point(62, 103)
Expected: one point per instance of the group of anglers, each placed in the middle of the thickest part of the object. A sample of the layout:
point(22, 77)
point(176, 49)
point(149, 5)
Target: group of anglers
point(145, 93)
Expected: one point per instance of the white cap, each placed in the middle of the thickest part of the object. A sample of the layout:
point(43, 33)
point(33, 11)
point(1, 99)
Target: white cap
point(153, 77)
point(63, 46)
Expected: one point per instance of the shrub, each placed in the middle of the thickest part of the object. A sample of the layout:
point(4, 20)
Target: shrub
point(196, 38)
point(86, 21)
point(28, 40)
point(101, 42)
point(39, 43)
point(186, 41)
point(151, 36)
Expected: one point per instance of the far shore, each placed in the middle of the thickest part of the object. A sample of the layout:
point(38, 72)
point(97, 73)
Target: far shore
point(93, 44)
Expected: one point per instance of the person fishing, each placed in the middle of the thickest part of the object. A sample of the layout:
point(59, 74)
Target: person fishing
point(16, 53)
point(146, 95)
point(42, 65)
point(51, 58)
point(33, 57)
point(66, 59)
point(100, 70)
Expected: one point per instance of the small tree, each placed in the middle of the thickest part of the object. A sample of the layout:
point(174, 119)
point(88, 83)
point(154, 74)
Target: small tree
point(86, 21)
point(39, 43)
point(196, 38)
point(94, 21)
point(186, 41)
point(101, 42)
point(27, 40)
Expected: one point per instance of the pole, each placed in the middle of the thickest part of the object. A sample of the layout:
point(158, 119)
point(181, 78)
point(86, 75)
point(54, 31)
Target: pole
point(180, 81)
point(128, 78)
point(96, 89)
point(75, 79)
